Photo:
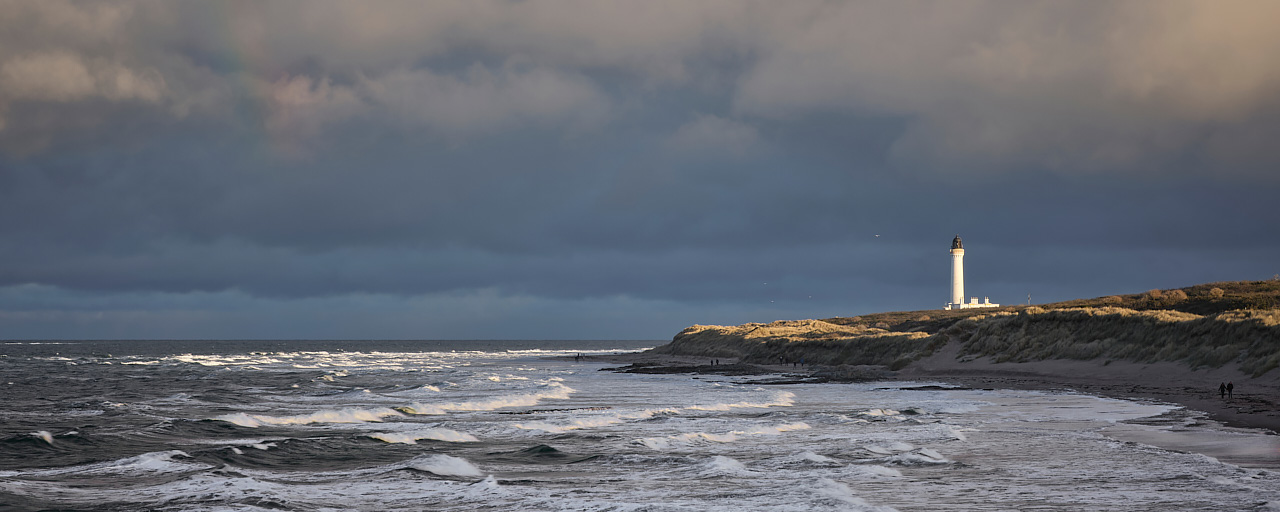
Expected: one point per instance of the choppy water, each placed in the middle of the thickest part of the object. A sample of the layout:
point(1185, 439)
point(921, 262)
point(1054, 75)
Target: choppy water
point(500, 426)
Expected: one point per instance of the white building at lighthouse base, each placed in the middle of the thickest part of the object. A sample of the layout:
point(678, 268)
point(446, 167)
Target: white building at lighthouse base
point(973, 303)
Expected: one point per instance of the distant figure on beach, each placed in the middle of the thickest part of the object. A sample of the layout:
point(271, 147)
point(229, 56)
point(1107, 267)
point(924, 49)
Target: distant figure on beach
point(1229, 388)
point(1222, 389)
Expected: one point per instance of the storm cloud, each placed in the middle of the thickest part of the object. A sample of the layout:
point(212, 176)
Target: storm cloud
point(567, 169)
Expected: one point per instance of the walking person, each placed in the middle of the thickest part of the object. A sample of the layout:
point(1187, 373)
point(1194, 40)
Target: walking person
point(1230, 386)
point(1222, 390)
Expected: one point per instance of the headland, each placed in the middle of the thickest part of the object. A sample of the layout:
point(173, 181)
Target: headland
point(1173, 346)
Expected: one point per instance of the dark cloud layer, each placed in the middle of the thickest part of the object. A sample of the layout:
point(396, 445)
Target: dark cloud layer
point(560, 169)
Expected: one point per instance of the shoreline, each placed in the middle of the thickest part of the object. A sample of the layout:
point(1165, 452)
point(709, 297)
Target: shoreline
point(1252, 406)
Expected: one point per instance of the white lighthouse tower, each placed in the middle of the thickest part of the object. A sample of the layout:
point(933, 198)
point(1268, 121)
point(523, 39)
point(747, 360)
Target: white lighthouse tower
point(957, 271)
point(957, 281)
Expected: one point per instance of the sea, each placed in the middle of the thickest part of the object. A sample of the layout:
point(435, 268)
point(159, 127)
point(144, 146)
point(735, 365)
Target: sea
point(525, 425)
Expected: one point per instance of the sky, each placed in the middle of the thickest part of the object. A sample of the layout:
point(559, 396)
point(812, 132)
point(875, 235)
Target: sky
point(617, 170)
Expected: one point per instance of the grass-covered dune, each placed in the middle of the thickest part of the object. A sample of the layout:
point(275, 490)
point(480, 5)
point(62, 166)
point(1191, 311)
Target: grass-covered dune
point(1210, 325)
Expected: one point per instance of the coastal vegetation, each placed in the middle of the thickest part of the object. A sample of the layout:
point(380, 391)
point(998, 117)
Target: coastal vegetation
point(1203, 326)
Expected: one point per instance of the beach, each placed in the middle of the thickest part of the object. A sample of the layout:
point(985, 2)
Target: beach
point(1251, 406)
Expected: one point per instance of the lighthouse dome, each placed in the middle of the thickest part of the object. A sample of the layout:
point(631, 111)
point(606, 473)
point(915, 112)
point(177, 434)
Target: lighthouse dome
point(956, 243)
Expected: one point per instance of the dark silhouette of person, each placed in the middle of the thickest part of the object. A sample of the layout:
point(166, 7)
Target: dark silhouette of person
point(1230, 386)
point(1222, 389)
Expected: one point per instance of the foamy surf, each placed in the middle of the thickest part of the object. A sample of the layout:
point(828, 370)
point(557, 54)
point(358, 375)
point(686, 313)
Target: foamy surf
point(444, 465)
point(552, 391)
point(690, 439)
point(329, 416)
point(842, 493)
point(434, 434)
point(153, 463)
point(594, 421)
point(779, 399)
point(720, 465)
point(557, 435)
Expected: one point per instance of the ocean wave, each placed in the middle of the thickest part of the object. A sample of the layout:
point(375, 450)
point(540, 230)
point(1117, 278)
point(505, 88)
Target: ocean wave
point(434, 434)
point(594, 421)
point(719, 465)
point(779, 399)
point(554, 391)
point(842, 493)
point(168, 461)
point(444, 465)
point(695, 438)
point(329, 416)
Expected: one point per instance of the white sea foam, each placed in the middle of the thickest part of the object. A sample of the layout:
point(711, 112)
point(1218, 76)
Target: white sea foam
point(144, 464)
point(687, 439)
point(779, 399)
point(841, 492)
point(554, 390)
point(435, 434)
point(600, 420)
point(778, 429)
point(876, 470)
point(813, 457)
point(444, 465)
point(726, 466)
point(489, 482)
point(921, 456)
point(889, 449)
point(330, 416)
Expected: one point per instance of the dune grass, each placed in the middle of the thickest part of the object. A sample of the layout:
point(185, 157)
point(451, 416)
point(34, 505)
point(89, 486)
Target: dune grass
point(1207, 325)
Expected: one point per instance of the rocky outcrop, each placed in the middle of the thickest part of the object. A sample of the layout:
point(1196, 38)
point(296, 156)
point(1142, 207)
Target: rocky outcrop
point(803, 341)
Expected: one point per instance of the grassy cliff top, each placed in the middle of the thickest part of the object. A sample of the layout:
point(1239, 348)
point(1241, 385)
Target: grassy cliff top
point(1200, 299)
point(1207, 325)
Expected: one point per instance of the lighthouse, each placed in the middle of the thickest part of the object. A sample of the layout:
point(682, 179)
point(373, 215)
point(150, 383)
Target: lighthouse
point(957, 270)
point(957, 281)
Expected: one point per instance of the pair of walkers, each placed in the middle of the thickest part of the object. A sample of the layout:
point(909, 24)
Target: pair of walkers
point(1224, 390)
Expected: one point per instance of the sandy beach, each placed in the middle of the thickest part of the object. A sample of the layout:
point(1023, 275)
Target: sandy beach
point(1252, 404)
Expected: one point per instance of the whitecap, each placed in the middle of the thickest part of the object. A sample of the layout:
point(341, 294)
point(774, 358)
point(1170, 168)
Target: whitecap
point(813, 457)
point(889, 449)
point(921, 456)
point(147, 463)
point(445, 465)
point(592, 421)
point(435, 434)
point(877, 470)
point(329, 416)
point(553, 391)
point(779, 399)
point(725, 466)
